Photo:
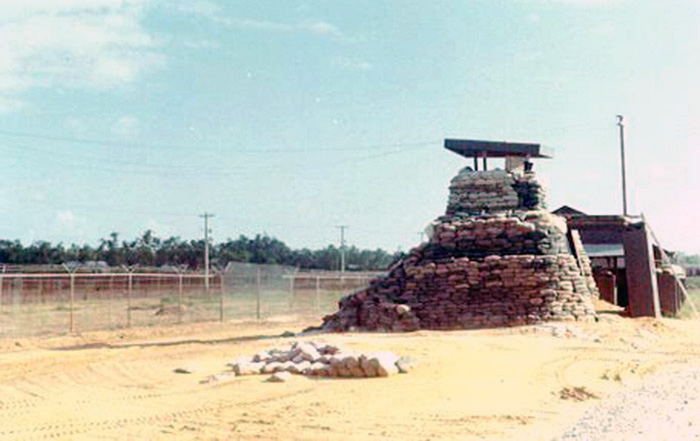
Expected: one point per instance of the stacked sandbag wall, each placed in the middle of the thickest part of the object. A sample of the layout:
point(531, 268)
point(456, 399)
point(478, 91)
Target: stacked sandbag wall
point(526, 232)
point(493, 191)
point(495, 259)
point(464, 293)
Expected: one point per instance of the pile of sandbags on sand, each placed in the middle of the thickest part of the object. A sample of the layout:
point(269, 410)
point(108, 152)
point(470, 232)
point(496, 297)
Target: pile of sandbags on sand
point(321, 360)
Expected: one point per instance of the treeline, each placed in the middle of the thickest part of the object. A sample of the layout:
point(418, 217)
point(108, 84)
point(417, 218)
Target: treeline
point(149, 250)
point(684, 259)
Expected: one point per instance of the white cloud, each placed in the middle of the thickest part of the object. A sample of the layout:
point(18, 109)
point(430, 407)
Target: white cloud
point(66, 223)
point(351, 63)
point(37, 196)
point(322, 28)
point(201, 44)
point(319, 27)
point(12, 9)
point(4, 201)
point(65, 218)
point(208, 10)
point(590, 2)
point(528, 57)
point(200, 8)
point(126, 127)
point(75, 125)
point(159, 229)
point(72, 44)
point(9, 105)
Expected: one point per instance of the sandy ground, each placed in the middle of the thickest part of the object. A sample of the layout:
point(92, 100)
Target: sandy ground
point(519, 383)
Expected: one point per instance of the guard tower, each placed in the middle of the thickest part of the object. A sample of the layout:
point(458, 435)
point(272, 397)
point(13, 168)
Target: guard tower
point(516, 154)
point(496, 257)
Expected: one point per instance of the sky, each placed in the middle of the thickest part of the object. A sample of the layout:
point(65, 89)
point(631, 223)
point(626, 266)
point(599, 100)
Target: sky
point(290, 118)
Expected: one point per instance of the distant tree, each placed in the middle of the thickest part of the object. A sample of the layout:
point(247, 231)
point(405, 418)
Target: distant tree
point(687, 259)
point(110, 251)
point(150, 250)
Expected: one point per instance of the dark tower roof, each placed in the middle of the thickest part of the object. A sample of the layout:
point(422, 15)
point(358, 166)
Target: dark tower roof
point(495, 149)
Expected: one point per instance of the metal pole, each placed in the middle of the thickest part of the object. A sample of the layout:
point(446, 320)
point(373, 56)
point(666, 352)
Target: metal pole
point(206, 253)
point(221, 296)
point(257, 284)
point(342, 247)
point(206, 217)
point(318, 292)
point(179, 299)
point(290, 303)
point(72, 301)
point(128, 300)
point(111, 297)
point(621, 125)
point(2, 281)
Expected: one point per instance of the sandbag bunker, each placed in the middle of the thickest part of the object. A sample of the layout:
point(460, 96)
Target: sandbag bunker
point(496, 258)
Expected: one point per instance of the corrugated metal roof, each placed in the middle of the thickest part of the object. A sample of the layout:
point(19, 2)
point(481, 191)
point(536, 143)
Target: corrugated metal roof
point(496, 149)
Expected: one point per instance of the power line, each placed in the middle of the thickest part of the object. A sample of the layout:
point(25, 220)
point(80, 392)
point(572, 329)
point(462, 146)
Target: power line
point(168, 169)
point(182, 147)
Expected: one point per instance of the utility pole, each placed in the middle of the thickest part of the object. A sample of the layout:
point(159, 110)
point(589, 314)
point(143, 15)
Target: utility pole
point(621, 125)
point(206, 217)
point(342, 247)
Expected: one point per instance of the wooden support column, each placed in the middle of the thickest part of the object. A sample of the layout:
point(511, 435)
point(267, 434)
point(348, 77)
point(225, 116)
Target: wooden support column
point(642, 287)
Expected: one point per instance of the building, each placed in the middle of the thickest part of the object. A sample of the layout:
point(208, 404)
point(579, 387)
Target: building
point(629, 266)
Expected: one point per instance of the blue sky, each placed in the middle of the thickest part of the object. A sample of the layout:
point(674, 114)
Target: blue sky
point(291, 118)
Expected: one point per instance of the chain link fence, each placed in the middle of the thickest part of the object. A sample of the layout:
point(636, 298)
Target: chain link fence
point(34, 304)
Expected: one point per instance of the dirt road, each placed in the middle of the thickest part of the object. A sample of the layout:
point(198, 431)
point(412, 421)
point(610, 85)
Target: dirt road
point(520, 383)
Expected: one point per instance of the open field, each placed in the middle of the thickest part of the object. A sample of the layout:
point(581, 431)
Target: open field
point(111, 309)
point(37, 304)
point(518, 383)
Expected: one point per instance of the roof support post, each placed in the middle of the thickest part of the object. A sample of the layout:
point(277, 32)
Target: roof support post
point(642, 287)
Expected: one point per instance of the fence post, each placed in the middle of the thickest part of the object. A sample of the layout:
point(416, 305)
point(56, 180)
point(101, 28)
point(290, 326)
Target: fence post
point(110, 295)
point(179, 298)
point(318, 293)
point(257, 284)
point(129, 289)
point(2, 281)
point(292, 279)
point(72, 301)
point(221, 296)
